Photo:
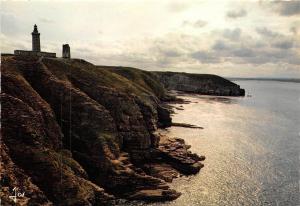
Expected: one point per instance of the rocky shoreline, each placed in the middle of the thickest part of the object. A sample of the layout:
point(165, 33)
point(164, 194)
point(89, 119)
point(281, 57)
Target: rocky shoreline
point(78, 134)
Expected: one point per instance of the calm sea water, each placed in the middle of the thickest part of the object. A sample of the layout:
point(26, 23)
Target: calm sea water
point(251, 146)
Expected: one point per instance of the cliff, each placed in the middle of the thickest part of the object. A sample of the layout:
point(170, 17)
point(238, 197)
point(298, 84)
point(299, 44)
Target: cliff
point(207, 84)
point(78, 134)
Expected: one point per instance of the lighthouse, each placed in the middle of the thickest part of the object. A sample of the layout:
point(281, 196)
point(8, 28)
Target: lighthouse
point(36, 46)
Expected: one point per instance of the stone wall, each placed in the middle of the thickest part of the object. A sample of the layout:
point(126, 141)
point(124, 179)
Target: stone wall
point(34, 53)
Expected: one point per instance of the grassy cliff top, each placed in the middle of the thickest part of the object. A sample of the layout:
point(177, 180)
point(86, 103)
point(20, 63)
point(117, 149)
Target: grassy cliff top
point(199, 77)
point(124, 79)
point(139, 78)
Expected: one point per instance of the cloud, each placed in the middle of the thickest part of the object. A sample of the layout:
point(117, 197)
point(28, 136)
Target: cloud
point(236, 14)
point(284, 44)
point(7, 44)
point(246, 55)
point(288, 8)
point(276, 39)
point(270, 48)
point(234, 52)
point(283, 8)
point(227, 47)
point(243, 52)
point(9, 24)
point(267, 32)
point(294, 30)
point(232, 34)
point(205, 57)
point(197, 24)
point(172, 53)
point(200, 23)
point(275, 56)
point(207, 43)
point(83, 49)
point(220, 45)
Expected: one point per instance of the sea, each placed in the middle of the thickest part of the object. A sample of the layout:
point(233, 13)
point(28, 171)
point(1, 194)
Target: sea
point(251, 144)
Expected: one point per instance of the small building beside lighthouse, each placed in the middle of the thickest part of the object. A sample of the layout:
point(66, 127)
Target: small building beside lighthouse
point(66, 53)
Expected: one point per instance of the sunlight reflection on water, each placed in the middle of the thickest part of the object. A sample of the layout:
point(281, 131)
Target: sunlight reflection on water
point(251, 146)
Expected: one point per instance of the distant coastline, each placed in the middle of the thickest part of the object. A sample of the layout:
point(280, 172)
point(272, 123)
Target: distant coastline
point(295, 80)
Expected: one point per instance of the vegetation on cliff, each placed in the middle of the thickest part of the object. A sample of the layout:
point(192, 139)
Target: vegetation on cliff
point(78, 134)
point(207, 84)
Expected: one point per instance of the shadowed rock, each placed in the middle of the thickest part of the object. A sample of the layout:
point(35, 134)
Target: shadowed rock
point(82, 133)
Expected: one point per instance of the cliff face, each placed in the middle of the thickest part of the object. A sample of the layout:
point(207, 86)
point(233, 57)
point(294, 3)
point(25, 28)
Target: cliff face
point(77, 134)
point(34, 139)
point(199, 83)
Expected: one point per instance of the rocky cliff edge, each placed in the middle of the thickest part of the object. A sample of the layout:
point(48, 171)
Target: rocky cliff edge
point(78, 134)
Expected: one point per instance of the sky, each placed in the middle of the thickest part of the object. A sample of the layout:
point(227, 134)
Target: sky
point(227, 38)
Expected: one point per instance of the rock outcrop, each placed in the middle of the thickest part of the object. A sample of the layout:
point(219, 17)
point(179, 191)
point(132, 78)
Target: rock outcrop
point(173, 158)
point(175, 152)
point(78, 134)
point(199, 83)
